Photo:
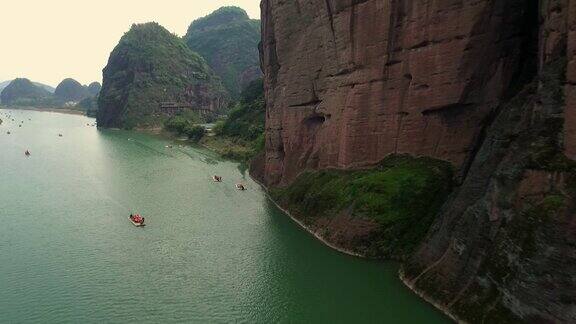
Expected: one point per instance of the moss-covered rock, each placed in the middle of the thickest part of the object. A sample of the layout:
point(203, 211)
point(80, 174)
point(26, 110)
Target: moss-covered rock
point(401, 198)
point(503, 249)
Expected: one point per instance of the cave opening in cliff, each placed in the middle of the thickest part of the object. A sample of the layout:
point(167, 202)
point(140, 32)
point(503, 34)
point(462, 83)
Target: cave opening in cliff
point(316, 120)
point(528, 59)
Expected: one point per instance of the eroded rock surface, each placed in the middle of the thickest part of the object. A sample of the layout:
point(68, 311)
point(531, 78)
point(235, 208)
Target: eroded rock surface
point(350, 82)
point(487, 85)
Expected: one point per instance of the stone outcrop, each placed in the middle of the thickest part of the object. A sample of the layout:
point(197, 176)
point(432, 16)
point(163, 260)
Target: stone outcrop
point(149, 67)
point(504, 248)
point(487, 85)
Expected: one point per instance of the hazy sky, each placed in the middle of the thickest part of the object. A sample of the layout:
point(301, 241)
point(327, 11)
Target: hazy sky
point(49, 40)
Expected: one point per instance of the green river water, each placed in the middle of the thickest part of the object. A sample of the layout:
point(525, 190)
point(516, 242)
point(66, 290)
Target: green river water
point(210, 253)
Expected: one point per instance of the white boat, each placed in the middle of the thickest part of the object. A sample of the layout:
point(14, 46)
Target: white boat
point(240, 186)
point(217, 179)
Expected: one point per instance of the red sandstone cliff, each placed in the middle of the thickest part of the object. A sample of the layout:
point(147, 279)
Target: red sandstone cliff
point(489, 85)
point(350, 82)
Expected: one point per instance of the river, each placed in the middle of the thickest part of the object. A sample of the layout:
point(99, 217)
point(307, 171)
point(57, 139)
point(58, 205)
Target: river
point(210, 253)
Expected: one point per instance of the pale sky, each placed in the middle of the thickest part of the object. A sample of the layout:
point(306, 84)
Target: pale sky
point(49, 40)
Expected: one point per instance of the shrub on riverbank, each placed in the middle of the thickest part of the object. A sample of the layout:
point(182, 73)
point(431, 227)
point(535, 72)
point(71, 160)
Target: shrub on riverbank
point(241, 135)
point(402, 196)
point(185, 125)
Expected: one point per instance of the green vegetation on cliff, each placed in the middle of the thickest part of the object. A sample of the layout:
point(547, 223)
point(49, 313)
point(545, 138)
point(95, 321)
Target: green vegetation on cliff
point(241, 135)
point(228, 39)
point(402, 195)
point(150, 66)
point(186, 123)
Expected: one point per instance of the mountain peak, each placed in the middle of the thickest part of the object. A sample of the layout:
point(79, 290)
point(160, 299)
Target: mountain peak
point(228, 39)
point(22, 91)
point(71, 90)
point(222, 16)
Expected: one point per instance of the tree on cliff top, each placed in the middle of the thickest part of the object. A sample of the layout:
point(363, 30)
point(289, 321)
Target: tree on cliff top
point(228, 39)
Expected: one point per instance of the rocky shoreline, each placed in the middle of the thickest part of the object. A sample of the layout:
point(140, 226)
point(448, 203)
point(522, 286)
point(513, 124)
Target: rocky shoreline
point(340, 249)
point(318, 236)
point(429, 300)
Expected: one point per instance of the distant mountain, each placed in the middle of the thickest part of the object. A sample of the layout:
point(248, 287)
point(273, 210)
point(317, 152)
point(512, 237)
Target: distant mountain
point(71, 90)
point(45, 87)
point(228, 39)
point(4, 84)
point(94, 88)
point(48, 88)
point(150, 66)
point(23, 92)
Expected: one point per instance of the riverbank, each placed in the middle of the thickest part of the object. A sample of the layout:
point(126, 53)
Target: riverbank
point(426, 298)
point(349, 252)
point(204, 241)
point(317, 235)
point(54, 110)
point(228, 148)
point(209, 144)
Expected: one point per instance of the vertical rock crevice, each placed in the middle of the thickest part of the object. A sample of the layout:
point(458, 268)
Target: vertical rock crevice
point(483, 84)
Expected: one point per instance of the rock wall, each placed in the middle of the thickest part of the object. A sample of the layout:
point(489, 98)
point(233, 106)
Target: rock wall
point(504, 248)
point(350, 82)
point(489, 85)
point(570, 124)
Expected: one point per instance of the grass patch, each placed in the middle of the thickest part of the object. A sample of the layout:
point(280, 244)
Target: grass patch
point(403, 194)
point(230, 148)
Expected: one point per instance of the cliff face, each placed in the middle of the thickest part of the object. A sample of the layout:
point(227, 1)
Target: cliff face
point(505, 246)
point(228, 40)
point(487, 85)
point(350, 82)
point(151, 66)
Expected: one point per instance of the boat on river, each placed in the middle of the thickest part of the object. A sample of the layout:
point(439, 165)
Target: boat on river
point(217, 178)
point(137, 220)
point(240, 187)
